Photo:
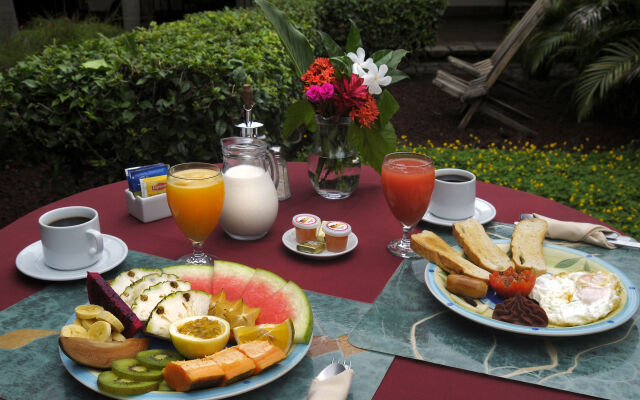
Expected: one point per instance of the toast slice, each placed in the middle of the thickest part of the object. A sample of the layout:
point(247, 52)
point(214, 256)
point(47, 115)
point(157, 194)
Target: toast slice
point(526, 245)
point(435, 249)
point(479, 247)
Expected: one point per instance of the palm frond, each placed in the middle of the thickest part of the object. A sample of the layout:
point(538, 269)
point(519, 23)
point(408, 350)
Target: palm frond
point(620, 64)
point(543, 46)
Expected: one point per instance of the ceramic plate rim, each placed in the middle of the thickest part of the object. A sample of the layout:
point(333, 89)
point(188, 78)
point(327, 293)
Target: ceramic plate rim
point(432, 219)
point(628, 310)
point(324, 254)
point(84, 375)
point(76, 273)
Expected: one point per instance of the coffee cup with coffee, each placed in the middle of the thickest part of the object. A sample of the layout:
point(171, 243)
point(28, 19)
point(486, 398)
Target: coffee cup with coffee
point(71, 237)
point(454, 194)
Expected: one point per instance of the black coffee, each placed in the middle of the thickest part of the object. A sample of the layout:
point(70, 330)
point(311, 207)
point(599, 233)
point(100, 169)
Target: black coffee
point(69, 221)
point(453, 178)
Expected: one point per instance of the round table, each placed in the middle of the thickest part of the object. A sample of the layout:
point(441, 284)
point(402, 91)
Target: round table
point(360, 275)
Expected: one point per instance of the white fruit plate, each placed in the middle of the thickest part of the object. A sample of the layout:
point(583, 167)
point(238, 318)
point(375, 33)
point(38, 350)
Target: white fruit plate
point(89, 376)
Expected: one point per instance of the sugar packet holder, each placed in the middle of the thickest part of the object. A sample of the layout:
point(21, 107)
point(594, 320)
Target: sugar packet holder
point(147, 209)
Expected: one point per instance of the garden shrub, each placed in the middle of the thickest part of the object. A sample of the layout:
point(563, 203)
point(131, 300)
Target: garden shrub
point(167, 93)
point(384, 24)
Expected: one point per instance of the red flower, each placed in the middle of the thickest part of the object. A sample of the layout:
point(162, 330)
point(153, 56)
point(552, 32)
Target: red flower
point(349, 94)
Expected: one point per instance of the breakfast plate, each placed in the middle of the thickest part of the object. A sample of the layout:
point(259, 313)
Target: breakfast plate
point(30, 261)
point(558, 259)
point(89, 376)
point(289, 240)
point(484, 212)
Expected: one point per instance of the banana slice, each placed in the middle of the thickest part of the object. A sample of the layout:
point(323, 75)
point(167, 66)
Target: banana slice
point(88, 311)
point(100, 331)
point(111, 319)
point(117, 337)
point(74, 331)
point(77, 321)
point(86, 323)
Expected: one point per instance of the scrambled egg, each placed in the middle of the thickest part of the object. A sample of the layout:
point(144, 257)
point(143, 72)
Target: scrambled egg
point(577, 298)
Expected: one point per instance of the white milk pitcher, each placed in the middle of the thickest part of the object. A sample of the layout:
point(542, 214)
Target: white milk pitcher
point(250, 180)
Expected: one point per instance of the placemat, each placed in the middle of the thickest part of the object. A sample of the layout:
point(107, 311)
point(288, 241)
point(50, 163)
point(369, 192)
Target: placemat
point(406, 320)
point(34, 370)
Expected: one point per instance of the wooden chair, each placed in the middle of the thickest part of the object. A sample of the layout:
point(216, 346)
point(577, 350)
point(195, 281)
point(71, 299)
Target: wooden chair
point(475, 93)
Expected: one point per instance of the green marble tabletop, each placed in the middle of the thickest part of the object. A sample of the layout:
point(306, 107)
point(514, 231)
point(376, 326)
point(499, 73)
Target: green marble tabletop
point(34, 370)
point(407, 320)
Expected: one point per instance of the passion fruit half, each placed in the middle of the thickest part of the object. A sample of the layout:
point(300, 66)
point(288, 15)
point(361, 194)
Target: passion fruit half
point(199, 336)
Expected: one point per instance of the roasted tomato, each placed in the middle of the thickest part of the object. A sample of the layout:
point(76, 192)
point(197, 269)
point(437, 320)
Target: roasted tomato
point(508, 283)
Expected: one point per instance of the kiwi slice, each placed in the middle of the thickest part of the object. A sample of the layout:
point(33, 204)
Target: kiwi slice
point(158, 358)
point(132, 369)
point(164, 387)
point(114, 384)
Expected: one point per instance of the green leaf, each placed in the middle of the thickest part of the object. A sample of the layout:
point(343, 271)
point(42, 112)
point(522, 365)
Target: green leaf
point(387, 106)
point(395, 58)
point(397, 76)
point(374, 145)
point(567, 262)
point(30, 83)
point(95, 64)
point(298, 113)
point(294, 41)
point(353, 39)
point(333, 49)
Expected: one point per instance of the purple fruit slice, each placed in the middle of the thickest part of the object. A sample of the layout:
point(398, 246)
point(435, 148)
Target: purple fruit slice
point(101, 293)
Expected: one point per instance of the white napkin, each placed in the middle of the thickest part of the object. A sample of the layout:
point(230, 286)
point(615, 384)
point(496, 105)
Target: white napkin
point(577, 232)
point(334, 388)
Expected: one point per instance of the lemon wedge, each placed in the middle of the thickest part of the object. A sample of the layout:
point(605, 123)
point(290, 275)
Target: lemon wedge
point(280, 335)
point(199, 336)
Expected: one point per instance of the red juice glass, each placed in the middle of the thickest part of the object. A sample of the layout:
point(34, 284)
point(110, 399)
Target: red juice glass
point(407, 182)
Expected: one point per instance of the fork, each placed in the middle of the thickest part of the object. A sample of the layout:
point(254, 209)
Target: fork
point(334, 368)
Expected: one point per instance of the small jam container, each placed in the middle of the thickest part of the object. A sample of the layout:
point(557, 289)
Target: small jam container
point(306, 226)
point(336, 235)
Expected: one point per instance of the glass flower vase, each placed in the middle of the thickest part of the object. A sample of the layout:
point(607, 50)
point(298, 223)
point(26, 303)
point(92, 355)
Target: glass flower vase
point(334, 163)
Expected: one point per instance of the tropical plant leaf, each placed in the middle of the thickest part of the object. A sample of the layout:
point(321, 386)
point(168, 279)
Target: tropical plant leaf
point(296, 44)
point(353, 39)
point(397, 76)
point(387, 106)
point(297, 114)
point(374, 146)
point(333, 48)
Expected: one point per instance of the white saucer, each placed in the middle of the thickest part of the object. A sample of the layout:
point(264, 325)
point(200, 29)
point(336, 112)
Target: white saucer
point(484, 212)
point(289, 240)
point(31, 262)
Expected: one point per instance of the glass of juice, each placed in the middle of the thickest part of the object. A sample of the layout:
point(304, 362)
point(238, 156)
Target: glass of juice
point(407, 182)
point(195, 193)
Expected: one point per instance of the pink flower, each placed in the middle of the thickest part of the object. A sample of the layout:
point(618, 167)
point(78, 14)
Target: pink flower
point(314, 94)
point(326, 91)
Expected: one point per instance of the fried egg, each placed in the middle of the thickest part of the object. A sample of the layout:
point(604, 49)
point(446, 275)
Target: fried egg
point(577, 298)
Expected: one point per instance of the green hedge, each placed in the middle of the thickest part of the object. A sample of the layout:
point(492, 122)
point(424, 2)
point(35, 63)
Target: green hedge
point(384, 24)
point(167, 93)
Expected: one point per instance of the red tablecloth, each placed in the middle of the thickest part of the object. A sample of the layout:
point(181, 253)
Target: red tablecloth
point(360, 275)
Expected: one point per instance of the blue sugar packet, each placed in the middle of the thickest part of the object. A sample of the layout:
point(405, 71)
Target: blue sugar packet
point(134, 175)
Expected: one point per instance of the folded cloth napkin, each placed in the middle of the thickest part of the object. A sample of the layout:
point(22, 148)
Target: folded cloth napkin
point(334, 388)
point(577, 232)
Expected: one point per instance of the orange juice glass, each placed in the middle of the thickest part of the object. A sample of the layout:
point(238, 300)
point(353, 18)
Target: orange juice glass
point(195, 193)
point(407, 183)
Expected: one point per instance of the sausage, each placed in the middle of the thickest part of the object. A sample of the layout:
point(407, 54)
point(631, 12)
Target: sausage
point(463, 285)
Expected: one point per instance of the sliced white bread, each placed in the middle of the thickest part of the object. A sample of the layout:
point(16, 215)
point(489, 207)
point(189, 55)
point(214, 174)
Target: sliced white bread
point(479, 247)
point(526, 245)
point(432, 247)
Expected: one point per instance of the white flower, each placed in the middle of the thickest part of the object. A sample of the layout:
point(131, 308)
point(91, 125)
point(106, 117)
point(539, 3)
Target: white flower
point(376, 78)
point(359, 63)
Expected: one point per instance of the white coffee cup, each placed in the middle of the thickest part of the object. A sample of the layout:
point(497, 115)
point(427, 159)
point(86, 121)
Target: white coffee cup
point(454, 194)
point(71, 237)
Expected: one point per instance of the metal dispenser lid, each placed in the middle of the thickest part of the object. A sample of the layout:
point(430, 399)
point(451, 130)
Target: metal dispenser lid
point(248, 128)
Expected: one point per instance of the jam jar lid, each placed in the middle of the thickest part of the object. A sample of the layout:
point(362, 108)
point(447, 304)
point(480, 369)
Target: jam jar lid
point(336, 228)
point(306, 221)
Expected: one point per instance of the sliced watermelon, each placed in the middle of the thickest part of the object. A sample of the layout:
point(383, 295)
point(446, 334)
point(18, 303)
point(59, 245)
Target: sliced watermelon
point(261, 286)
point(232, 277)
point(198, 275)
point(288, 302)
